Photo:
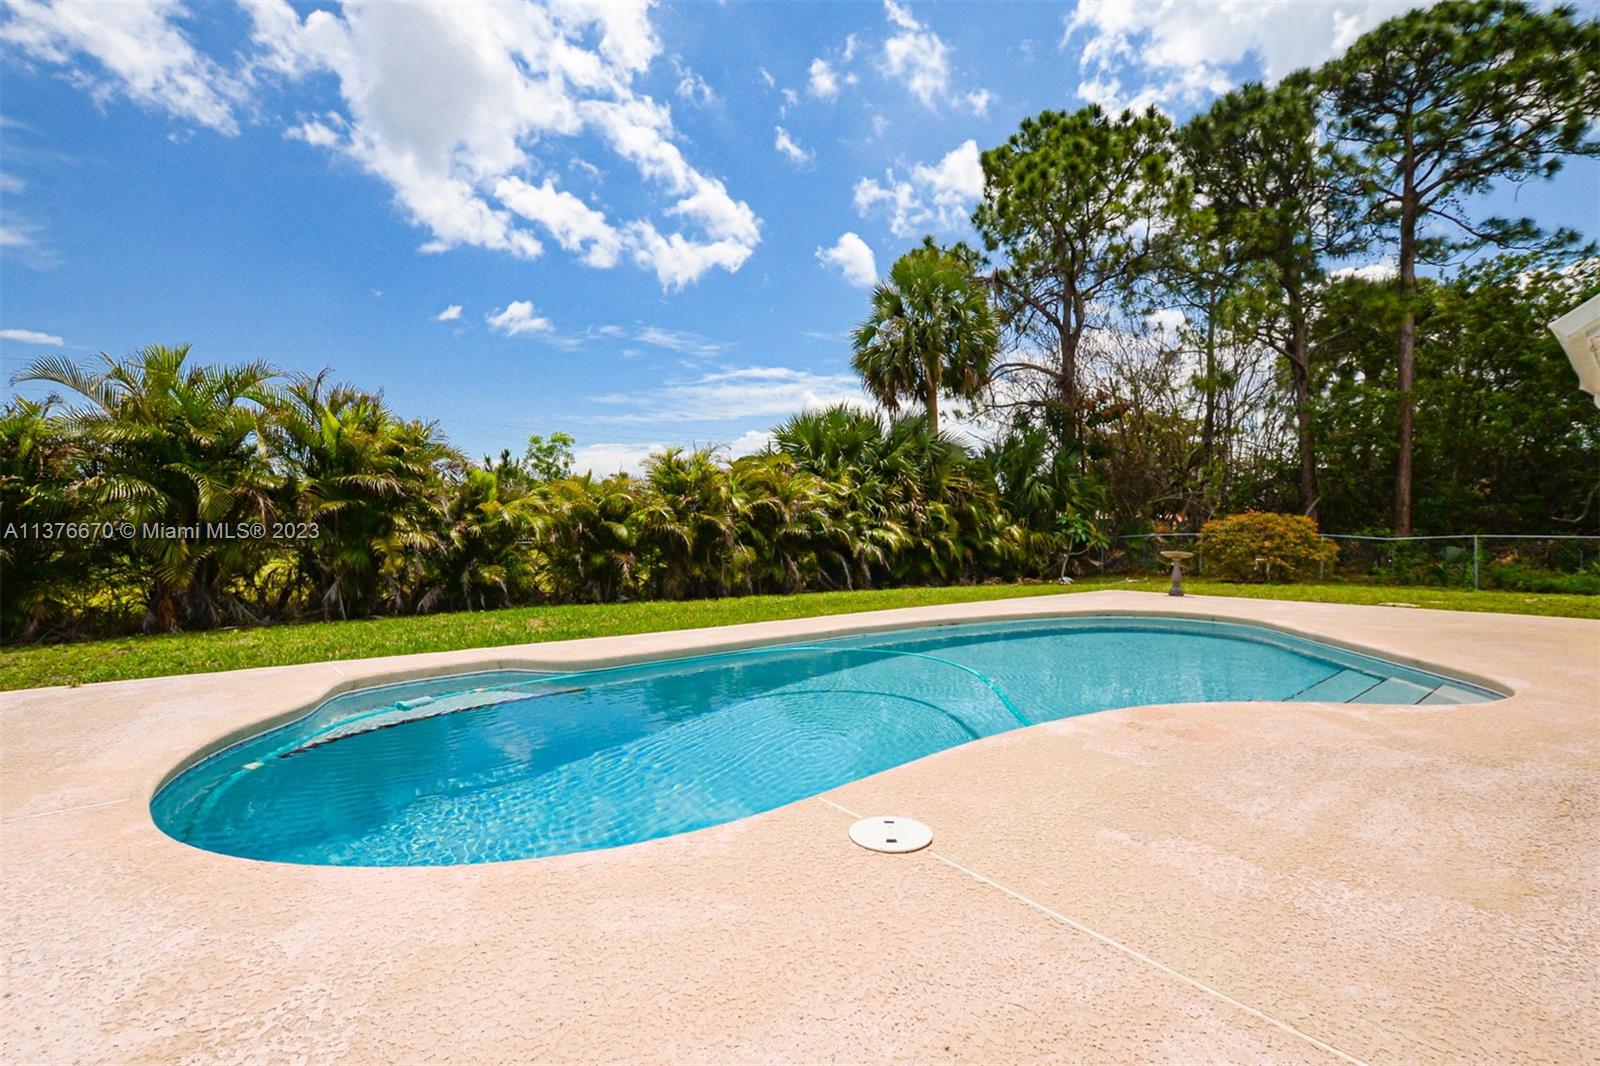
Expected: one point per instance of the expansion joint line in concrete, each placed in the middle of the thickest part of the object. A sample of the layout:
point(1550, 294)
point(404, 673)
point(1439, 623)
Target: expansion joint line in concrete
point(1132, 953)
point(61, 810)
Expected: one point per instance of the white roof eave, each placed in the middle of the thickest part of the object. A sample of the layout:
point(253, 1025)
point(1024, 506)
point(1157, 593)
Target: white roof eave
point(1579, 333)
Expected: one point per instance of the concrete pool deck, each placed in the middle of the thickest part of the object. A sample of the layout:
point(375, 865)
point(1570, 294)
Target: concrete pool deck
point(1246, 882)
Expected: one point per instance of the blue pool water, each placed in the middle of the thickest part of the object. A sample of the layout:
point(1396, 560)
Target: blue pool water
point(514, 764)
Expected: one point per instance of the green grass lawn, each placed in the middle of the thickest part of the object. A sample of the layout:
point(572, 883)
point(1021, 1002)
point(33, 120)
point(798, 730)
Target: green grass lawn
point(190, 653)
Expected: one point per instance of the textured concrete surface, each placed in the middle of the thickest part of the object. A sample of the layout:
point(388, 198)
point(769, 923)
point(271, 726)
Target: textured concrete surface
point(1206, 883)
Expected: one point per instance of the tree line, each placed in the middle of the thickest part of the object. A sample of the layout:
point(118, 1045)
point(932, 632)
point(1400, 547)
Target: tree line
point(1176, 307)
point(1157, 329)
point(362, 512)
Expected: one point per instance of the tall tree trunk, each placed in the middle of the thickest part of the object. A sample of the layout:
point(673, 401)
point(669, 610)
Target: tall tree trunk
point(1208, 425)
point(1300, 370)
point(1071, 335)
point(932, 399)
point(1408, 346)
point(1065, 393)
point(1302, 418)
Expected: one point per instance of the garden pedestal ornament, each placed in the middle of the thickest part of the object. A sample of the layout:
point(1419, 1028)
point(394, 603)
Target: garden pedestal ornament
point(1177, 570)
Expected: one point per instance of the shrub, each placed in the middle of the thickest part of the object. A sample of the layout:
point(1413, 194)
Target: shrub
point(1256, 546)
point(1519, 577)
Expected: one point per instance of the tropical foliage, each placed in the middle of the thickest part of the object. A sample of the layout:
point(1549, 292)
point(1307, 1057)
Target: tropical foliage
point(930, 333)
point(217, 495)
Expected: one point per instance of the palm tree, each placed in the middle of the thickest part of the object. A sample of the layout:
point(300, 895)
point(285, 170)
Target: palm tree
point(829, 442)
point(586, 536)
point(790, 524)
point(688, 521)
point(482, 560)
point(930, 333)
point(175, 445)
point(940, 497)
point(849, 449)
point(1044, 490)
point(369, 481)
point(38, 467)
point(914, 505)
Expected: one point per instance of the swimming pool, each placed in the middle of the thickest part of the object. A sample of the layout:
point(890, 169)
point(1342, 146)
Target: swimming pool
point(517, 764)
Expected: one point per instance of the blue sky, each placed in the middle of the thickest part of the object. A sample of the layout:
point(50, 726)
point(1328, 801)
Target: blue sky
point(642, 225)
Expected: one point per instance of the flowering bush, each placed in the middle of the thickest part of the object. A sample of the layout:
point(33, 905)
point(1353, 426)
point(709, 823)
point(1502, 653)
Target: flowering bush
point(1256, 546)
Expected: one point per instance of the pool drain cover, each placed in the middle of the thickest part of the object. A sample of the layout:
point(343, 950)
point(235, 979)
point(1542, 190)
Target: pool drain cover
point(891, 834)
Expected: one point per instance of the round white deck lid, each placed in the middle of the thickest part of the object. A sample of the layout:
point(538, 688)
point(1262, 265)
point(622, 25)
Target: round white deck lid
point(891, 833)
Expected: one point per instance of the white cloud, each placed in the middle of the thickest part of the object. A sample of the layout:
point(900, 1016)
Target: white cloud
point(1180, 53)
point(786, 144)
point(675, 340)
point(576, 226)
point(481, 104)
point(314, 132)
point(11, 184)
point(939, 196)
point(638, 130)
point(505, 83)
point(1383, 270)
point(750, 442)
point(916, 56)
point(31, 336)
point(1166, 322)
point(677, 261)
point(919, 59)
point(603, 460)
point(137, 50)
point(517, 319)
point(606, 459)
point(766, 76)
point(691, 86)
point(449, 314)
point(853, 259)
point(824, 83)
point(958, 176)
point(735, 394)
point(19, 240)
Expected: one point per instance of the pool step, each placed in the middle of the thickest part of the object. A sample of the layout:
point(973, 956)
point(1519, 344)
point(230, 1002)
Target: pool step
point(1355, 686)
point(1452, 694)
point(1392, 690)
point(1342, 687)
point(417, 710)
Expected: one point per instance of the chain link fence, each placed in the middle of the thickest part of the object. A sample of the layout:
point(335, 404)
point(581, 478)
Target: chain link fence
point(1555, 562)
